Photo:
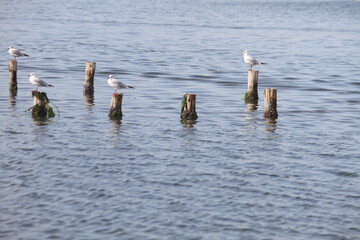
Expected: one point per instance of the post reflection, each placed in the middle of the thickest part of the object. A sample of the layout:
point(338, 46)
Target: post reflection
point(116, 126)
point(12, 97)
point(251, 107)
point(270, 125)
point(89, 101)
point(251, 114)
point(188, 123)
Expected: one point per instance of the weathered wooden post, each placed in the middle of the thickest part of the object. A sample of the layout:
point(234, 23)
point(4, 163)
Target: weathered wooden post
point(41, 108)
point(251, 94)
point(270, 103)
point(115, 106)
point(188, 107)
point(13, 75)
point(89, 78)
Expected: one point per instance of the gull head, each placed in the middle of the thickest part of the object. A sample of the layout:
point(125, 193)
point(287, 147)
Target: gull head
point(244, 52)
point(10, 47)
point(110, 76)
point(31, 74)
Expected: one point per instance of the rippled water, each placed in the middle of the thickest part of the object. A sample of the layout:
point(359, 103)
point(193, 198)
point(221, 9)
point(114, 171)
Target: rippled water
point(230, 175)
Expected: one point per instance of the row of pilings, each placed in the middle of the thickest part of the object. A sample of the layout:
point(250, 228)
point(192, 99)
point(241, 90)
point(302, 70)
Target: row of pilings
point(42, 108)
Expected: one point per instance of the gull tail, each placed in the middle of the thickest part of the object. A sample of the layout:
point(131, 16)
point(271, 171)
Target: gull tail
point(49, 85)
point(263, 63)
point(130, 87)
point(26, 55)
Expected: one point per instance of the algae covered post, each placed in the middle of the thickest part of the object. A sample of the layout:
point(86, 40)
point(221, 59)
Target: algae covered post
point(41, 107)
point(188, 107)
point(270, 103)
point(251, 94)
point(89, 78)
point(115, 106)
point(13, 75)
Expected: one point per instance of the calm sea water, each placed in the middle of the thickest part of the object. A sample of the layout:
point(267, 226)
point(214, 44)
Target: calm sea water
point(230, 175)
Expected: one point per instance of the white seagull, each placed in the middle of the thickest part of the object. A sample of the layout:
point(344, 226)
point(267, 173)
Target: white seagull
point(250, 60)
point(38, 82)
point(16, 53)
point(116, 83)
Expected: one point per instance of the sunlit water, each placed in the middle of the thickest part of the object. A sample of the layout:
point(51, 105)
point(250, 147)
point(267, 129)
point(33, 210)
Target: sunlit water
point(230, 175)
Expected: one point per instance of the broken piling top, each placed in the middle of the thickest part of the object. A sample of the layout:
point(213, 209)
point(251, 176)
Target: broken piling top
point(188, 107)
point(270, 103)
point(41, 107)
point(89, 78)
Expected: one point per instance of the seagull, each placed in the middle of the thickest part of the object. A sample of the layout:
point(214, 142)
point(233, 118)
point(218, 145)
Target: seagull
point(250, 60)
point(116, 83)
point(38, 82)
point(16, 53)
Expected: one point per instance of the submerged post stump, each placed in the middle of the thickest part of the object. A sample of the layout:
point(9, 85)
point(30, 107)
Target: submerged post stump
point(41, 106)
point(188, 107)
point(115, 106)
point(251, 94)
point(89, 78)
point(13, 75)
point(270, 103)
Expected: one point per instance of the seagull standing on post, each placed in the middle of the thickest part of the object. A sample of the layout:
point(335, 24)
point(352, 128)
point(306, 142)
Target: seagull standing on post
point(38, 82)
point(116, 83)
point(250, 60)
point(16, 53)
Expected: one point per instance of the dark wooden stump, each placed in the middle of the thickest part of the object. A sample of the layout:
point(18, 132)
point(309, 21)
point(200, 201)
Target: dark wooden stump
point(115, 106)
point(13, 75)
point(270, 103)
point(89, 78)
point(251, 95)
point(188, 108)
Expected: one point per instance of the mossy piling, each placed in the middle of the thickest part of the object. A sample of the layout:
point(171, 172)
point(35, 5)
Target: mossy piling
point(188, 107)
point(115, 106)
point(41, 107)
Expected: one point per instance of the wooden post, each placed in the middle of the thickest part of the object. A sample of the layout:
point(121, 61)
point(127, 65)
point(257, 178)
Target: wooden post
point(188, 107)
point(12, 74)
point(251, 94)
point(89, 78)
point(270, 99)
point(115, 106)
point(41, 107)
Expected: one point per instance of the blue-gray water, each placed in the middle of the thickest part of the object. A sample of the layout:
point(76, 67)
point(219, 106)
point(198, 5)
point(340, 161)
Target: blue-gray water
point(230, 175)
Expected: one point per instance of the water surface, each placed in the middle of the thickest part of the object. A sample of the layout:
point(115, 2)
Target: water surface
point(230, 175)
